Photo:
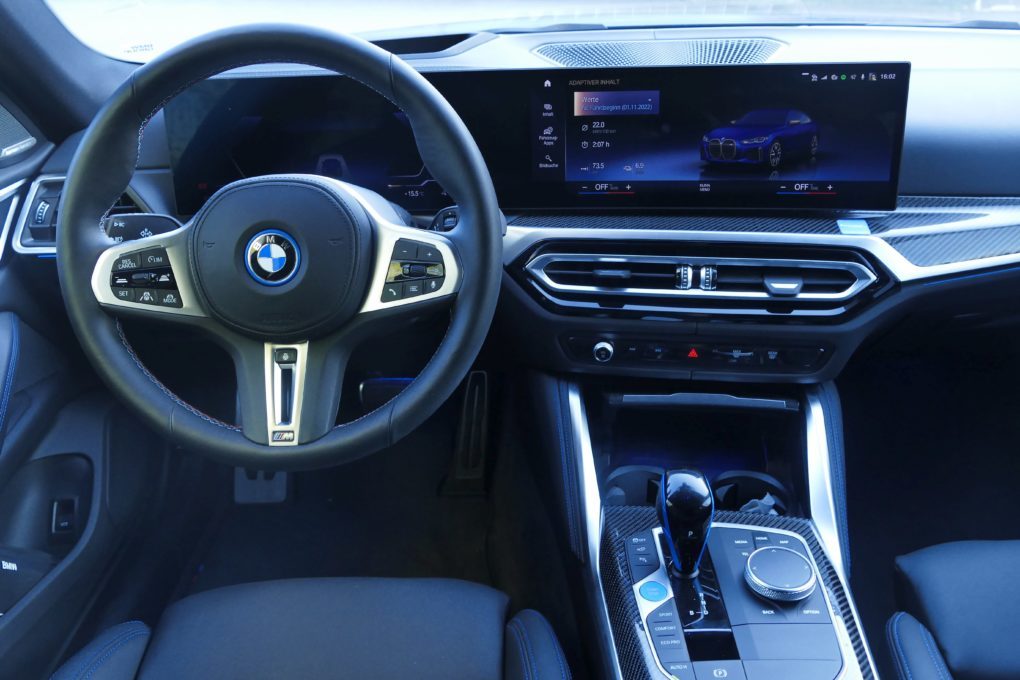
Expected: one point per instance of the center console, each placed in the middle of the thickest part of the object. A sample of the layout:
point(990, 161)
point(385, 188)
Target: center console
point(686, 582)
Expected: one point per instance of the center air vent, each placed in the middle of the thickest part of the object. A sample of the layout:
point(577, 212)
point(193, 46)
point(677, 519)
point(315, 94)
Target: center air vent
point(734, 285)
point(686, 52)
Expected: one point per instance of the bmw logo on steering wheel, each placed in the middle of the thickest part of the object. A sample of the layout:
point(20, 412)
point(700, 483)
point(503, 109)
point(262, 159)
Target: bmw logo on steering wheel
point(272, 257)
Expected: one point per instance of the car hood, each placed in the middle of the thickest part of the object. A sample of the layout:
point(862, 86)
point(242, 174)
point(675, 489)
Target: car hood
point(742, 131)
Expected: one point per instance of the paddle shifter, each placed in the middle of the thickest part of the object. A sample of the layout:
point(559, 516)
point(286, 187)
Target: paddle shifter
point(685, 506)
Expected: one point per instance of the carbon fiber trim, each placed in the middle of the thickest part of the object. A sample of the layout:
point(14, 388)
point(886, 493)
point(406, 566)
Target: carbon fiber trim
point(631, 646)
point(926, 250)
point(656, 52)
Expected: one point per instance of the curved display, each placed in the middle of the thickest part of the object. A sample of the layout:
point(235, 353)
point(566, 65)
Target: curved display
point(805, 136)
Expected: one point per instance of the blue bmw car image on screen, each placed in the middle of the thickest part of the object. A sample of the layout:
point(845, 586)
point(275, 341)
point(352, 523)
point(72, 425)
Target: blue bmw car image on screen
point(765, 137)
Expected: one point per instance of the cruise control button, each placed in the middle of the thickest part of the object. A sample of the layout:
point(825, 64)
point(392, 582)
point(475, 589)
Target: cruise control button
point(164, 279)
point(156, 257)
point(120, 280)
point(141, 278)
point(124, 294)
point(147, 297)
point(392, 292)
point(126, 263)
point(429, 253)
point(169, 298)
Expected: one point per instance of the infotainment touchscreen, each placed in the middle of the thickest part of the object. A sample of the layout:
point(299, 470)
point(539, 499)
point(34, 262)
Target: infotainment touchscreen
point(804, 136)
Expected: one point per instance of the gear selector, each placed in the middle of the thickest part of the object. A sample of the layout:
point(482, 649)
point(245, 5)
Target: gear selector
point(685, 507)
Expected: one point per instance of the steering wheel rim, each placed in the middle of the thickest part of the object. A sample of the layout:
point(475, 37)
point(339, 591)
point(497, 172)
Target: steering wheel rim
point(105, 161)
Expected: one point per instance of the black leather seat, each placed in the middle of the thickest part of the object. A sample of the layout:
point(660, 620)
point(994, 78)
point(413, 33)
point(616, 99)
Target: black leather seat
point(962, 612)
point(330, 628)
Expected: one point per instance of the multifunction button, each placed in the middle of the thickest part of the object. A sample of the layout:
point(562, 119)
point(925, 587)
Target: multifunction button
point(145, 278)
point(415, 269)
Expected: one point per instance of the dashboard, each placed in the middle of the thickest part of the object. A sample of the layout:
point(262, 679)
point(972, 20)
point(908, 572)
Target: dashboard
point(804, 136)
point(634, 169)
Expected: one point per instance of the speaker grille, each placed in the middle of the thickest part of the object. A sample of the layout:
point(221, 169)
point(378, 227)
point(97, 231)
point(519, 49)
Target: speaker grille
point(688, 52)
point(14, 138)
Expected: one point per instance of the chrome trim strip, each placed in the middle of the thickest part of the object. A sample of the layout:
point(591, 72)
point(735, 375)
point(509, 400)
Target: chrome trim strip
point(591, 507)
point(12, 210)
point(274, 395)
point(864, 276)
point(821, 504)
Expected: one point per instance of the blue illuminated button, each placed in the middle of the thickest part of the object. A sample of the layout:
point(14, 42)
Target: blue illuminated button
point(653, 591)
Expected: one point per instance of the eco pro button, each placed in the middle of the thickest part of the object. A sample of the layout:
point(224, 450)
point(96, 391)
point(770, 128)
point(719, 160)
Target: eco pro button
point(653, 591)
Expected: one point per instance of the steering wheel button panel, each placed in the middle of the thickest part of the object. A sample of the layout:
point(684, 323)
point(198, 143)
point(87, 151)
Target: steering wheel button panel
point(415, 268)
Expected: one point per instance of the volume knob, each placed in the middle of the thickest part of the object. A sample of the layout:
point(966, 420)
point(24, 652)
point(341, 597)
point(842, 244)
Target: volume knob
point(602, 351)
point(780, 574)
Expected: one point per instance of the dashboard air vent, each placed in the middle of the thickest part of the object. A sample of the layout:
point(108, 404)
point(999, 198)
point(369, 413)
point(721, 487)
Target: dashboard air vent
point(723, 285)
point(687, 52)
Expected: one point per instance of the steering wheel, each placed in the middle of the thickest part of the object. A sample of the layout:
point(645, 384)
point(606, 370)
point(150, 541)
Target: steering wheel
point(287, 272)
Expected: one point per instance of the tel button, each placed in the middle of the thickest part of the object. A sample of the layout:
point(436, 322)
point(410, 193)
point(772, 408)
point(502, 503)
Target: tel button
point(392, 292)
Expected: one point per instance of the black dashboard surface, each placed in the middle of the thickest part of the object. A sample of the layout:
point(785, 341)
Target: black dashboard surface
point(815, 136)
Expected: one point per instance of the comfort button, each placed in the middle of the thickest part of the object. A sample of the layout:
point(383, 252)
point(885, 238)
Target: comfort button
point(653, 591)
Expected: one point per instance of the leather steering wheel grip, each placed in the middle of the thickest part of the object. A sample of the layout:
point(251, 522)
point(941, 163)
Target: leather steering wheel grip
point(105, 161)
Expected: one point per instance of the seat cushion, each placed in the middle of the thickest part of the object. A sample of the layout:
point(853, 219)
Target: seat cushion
point(968, 595)
point(331, 628)
point(914, 650)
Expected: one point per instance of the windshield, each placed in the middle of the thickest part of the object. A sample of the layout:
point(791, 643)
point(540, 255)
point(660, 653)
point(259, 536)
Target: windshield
point(137, 30)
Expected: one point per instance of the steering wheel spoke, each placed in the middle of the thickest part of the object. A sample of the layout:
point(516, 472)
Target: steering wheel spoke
point(289, 392)
point(412, 267)
point(149, 277)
